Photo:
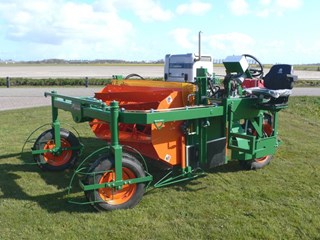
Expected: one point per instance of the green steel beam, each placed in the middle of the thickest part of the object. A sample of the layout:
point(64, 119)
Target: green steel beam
point(115, 184)
point(84, 110)
point(187, 113)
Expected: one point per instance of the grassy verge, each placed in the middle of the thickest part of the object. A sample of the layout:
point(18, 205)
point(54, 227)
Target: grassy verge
point(280, 201)
point(16, 82)
point(307, 83)
point(23, 82)
point(21, 64)
point(307, 67)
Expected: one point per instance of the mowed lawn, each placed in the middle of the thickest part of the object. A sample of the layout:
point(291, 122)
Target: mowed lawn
point(281, 201)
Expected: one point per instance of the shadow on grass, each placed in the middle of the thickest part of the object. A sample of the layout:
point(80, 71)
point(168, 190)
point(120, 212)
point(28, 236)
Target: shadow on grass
point(52, 202)
point(232, 166)
point(194, 185)
point(57, 201)
point(12, 174)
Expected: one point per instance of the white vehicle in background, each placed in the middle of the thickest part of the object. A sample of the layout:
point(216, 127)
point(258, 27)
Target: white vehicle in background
point(183, 67)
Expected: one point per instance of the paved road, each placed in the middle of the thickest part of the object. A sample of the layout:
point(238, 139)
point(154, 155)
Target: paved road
point(306, 92)
point(82, 71)
point(16, 98)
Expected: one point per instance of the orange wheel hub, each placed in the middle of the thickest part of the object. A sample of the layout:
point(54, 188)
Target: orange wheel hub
point(57, 160)
point(262, 159)
point(116, 197)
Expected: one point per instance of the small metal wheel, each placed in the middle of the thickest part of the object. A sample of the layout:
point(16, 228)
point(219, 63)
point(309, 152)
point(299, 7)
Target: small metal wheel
point(103, 171)
point(56, 161)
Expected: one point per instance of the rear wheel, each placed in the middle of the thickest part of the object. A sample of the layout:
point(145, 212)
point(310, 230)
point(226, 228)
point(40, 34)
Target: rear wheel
point(258, 163)
point(56, 161)
point(107, 199)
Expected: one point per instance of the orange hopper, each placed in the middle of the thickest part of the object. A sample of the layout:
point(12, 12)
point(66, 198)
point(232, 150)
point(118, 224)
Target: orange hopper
point(165, 144)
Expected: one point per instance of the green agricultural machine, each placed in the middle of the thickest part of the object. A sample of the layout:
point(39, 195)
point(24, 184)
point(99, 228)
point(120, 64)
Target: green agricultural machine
point(183, 128)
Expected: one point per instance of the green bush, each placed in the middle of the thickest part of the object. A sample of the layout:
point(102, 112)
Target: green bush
point(307, 83)
point(53, 82)
point(58, 81)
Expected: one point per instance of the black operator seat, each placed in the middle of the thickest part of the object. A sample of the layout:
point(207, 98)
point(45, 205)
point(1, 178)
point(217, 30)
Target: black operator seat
point(280, 76)
point(278, 83)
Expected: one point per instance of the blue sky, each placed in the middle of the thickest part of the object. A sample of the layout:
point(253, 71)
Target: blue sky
point(275, 31)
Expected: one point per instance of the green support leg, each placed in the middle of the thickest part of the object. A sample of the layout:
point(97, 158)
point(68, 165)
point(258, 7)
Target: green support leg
point(56, 127)
point(115, 147)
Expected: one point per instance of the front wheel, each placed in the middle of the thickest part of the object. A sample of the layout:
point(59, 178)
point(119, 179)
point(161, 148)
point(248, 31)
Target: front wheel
point(60, 160)
point(107, 199)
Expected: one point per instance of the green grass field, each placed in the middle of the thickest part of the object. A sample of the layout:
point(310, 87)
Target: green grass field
point(281, 201)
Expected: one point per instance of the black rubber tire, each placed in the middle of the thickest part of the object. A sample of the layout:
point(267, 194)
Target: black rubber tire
point(256, 163)
point(66, 137)
point(106, 163)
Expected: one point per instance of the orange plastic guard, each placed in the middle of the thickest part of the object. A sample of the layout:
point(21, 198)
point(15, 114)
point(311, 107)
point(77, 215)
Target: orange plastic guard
point(165, 143)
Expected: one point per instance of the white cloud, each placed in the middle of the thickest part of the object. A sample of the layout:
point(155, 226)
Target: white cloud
point(307, 52)
point(281, 6)
point(182, 36)
point(146, 10)
point(239, 7)
point(278, 7)
point(263, 13)
point(67, 24)
point(71, 29)
point(265, 2)
point(289, 4)
point(231, 43)
point(264, 8)
point(194, 8)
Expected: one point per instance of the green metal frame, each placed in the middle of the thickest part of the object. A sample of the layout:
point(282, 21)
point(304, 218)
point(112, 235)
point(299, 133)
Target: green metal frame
point(56, 126)
point(230, 111)
point(177, 176)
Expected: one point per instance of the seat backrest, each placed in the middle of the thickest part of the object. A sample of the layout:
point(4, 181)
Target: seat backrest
point(277, 77)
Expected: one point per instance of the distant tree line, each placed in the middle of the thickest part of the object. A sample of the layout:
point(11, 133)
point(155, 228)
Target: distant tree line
point(308, 67)
point(96, 61)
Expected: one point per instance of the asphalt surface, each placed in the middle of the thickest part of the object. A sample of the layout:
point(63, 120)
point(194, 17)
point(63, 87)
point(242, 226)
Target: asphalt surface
point(17, 98)
point(82, 71)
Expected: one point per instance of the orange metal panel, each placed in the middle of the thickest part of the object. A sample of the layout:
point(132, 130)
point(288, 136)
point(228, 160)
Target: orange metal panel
point(166, 144)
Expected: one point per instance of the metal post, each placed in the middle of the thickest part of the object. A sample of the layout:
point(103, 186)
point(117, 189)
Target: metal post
point(117, 149)
point(199, 45)
point(86, 82)
point(55, 124)
point(202, 86)
point(8, 82)
point(275, 123)
point(202, 99)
